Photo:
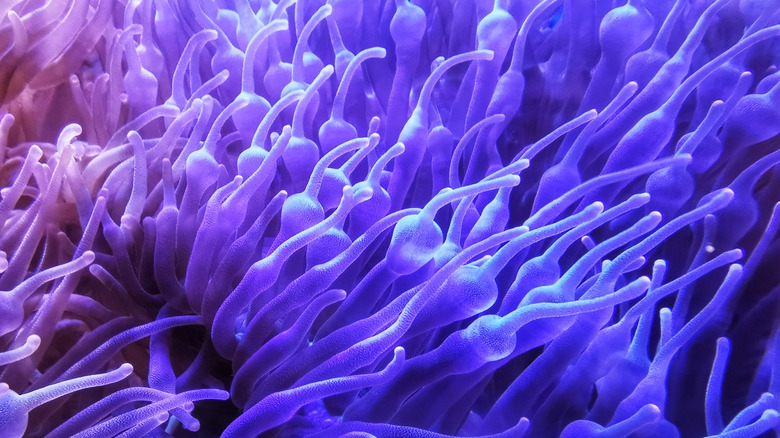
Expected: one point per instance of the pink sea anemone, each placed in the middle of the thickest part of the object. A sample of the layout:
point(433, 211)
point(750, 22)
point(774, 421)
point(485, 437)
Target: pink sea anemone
point(387, 218)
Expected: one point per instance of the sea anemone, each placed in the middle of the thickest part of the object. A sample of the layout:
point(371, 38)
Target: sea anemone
point(383, 218)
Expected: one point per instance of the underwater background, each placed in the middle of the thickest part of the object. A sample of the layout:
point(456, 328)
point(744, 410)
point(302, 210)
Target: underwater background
point(389, 218)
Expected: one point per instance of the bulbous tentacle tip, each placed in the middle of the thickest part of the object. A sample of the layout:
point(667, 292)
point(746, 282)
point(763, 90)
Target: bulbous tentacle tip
point(88, 257)
point(34, 341)
point(125, 369)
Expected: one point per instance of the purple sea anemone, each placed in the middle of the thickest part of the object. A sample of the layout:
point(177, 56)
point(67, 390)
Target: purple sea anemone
point(389, 218)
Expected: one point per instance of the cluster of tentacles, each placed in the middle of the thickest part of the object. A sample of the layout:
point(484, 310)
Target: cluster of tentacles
point(389, 218)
